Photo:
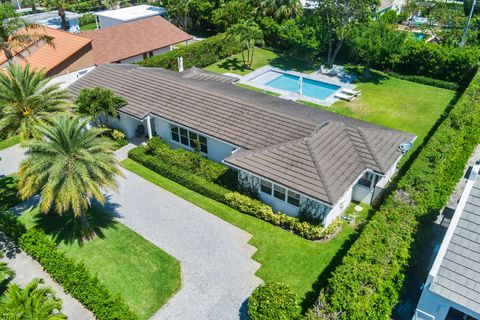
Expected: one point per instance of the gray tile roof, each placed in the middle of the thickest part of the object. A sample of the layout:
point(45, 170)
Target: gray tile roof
point(458, 278)
point(254, 121)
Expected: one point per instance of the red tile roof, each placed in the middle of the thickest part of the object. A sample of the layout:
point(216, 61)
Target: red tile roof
point(129, 39)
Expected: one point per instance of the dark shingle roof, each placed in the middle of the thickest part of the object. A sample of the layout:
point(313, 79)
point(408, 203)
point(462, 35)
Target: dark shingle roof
point(458, 278)
point(280, 139)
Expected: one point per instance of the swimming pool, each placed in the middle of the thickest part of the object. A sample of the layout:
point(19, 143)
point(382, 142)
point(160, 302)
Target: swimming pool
point(310, 88)
point(419, 36)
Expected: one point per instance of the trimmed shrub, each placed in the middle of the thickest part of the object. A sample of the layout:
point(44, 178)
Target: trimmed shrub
point(156, 160)
point(87, 18)
point(428, 81)
point(273, 300)
point(368, 282)
point(11, 226)
point(200, 54)
point(74, 278)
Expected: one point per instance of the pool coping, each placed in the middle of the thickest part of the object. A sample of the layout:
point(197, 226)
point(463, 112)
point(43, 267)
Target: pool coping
point(248, 80)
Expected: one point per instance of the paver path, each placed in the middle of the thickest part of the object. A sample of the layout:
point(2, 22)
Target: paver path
point(26, 269)
point(11, 158)
point(217, 271)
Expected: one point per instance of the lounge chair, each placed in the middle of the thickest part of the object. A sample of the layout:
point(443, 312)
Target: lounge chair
point(326, 70)
point(355, 93)
point(343, 96)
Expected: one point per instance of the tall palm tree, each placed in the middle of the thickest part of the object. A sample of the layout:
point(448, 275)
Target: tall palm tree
point(69, 168)
point(281, 9)
point(61, 7)
point(32, 302)
point(17, 34)
point(26, 100)
point(5, 271)
point(249, 34)
point(97, 101)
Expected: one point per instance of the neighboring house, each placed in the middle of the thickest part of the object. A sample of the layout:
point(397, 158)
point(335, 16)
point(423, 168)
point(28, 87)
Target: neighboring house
point(110, 18)
point(69, 53)
point(135, 41)
point(51, 19)
point(386, 5)
point(296, 157)
point(452, 289)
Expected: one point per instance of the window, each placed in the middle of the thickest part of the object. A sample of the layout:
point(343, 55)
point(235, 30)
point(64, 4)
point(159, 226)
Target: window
point(150, 54)
point(367, 178)
point(266, 187)
point(175, 135)
point(279, 192)
point(293, 198)
point(188, 138)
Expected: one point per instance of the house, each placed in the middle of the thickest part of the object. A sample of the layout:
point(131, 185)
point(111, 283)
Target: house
point(452, 289)
point(51, 19)
point(386, 5)
point(69, 53)
point(135, 41)
point(110, 18)
point(296, 157)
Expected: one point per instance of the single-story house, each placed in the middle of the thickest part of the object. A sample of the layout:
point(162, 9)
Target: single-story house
point(386, 5)
point(110, 18)
point(51, 19)
point(452, 289)
point(296, 157)
point(69, 53)
point(135, 41)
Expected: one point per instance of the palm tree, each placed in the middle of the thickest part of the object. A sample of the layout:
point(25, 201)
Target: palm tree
point(249, 34)
point(281, 9)
point(17, 34)
point(69, 168)
point(97, 101)
point(5, 271)
point(31, 303)
point(26, 100)
point(61, 7)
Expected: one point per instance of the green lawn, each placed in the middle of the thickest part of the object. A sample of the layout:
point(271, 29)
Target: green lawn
point(145, 276)
point(397, 104)
point(89, 26)
point(9, 142)
point(284, 256)
point(261, 58)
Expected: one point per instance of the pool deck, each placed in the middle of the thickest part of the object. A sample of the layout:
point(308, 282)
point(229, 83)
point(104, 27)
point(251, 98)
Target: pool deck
point(259, 77)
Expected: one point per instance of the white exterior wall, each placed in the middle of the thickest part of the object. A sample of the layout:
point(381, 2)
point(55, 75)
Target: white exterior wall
point(104, 22)
point(217, 149)
point(139, 57)
point(339, 208)
point(279, 205)
point(434, 307)
point(126, 124)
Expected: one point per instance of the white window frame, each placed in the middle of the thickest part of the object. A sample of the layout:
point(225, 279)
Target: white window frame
point(287, 192)
point(189, 141)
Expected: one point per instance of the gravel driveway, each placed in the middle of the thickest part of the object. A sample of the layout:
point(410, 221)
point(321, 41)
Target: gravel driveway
point(217, 271)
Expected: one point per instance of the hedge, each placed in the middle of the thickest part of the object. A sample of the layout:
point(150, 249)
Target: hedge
point(235, 200)
point(71, 275)
point(273, 300)
point(428, 81)
point(366, 285)
point(199, 54)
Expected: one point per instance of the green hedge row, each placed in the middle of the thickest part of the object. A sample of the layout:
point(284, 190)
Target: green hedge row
point(71, 275)
point(428, 81)
point(199, 54)
point(273, 300)
point(367, 283)
point(235, 200)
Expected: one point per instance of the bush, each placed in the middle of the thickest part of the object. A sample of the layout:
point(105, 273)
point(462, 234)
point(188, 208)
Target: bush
point(194, 162)
point(117, 135)
point(428, 81)
point(273, 300)
point(87, 18)
point(171, 169)
point(74, 277)
point(367, 283)
point(200, 54)
point(11, 226)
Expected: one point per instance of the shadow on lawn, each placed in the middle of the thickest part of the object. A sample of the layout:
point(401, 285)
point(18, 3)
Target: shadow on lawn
point(8, 192)
point(234, 64)
point(67, 229)
point(322, 279)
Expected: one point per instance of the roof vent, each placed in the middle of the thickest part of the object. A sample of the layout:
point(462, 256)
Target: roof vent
point(404, 147)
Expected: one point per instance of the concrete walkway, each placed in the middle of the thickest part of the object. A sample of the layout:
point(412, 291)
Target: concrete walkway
point(26, 269)
point(10, 159)
point(218, 274)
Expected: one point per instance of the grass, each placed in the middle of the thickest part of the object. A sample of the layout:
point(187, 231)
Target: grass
point(397, 104)
point(270, 93)
point(127, 264)
point(261, 58)
point(9, 142)
point(89, 26)
point(285, 257)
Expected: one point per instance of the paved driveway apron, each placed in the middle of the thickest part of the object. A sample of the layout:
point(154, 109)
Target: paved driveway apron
point(217, 271)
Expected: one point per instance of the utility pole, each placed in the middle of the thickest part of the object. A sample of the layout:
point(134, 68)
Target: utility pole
point(464, 37)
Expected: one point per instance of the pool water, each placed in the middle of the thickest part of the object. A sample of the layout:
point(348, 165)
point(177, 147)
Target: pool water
point(419, 36)
point(310, 88)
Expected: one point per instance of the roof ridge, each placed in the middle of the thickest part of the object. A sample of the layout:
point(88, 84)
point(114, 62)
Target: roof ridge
point(317, 166)
point(362, 135)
